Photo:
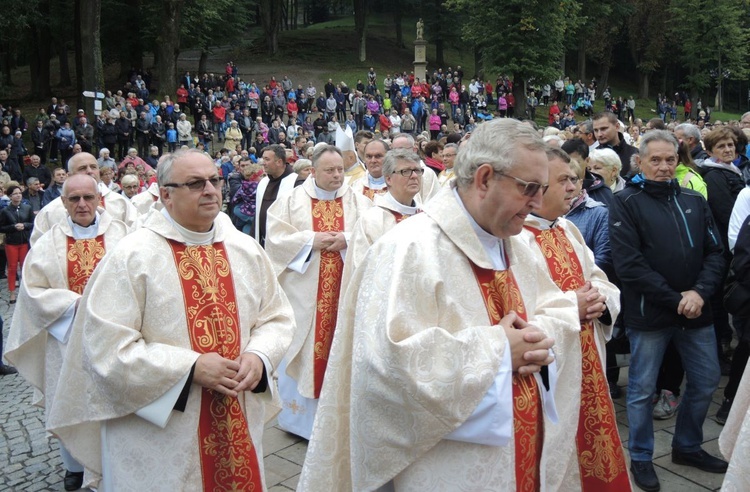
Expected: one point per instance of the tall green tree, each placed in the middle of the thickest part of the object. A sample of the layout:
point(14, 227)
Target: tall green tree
point(270, 17)
point(519, 37)
point(168, 45)
point(211, 23)
point(91, 56)
point(648, 29)
point(21, 21)
point(714, 39)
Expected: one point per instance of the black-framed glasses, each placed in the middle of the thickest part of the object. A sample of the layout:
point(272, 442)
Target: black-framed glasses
point(198, 184)
point(407, 172)
point(530, 188)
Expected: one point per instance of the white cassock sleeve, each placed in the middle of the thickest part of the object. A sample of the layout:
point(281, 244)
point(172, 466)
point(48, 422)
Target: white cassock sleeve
point(158, 411)
point(60, 329)
point(300, 262)
point(491, 424)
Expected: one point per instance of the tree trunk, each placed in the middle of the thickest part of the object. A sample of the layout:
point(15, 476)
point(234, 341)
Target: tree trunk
point(604, 78)
point(694, 99)
point(202, 62)
point(478, 62)
point(643, 80)
point(91, 59)
point(582, 59)
point(78, 44)
point(439, 52)
point(6, 63)
point(360, 26)
point(397, 23)
point(519, 82)
point(169, 46)
point(64, 66)
point(270, 16)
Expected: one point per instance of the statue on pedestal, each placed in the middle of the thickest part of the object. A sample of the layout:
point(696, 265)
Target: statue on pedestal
point(420, 29)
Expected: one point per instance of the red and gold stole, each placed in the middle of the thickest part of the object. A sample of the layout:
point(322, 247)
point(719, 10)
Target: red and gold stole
point(327, 216)
point(398, 215)
point(101, 202)
point(370, 192)
point(228, 458)
point(600, 456)
point(83, 255)
point(502, 295)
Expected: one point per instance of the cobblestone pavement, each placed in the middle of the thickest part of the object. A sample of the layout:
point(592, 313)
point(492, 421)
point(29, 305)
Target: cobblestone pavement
point(29, 461)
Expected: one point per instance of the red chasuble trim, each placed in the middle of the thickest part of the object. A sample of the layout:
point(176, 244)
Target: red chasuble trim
point(83, 255)
point(228, 458)
point(502, 295)
point(601, 459)
point(327, 216)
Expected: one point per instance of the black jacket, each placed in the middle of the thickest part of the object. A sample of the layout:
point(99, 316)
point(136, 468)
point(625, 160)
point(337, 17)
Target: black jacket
point(625, 152)
point(723, 186)
point(12, 215)
point(664, 242)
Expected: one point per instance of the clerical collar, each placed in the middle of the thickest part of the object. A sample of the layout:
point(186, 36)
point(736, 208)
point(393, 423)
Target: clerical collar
point(543, 223)
point(322, 194)
point(191, 238)
point(397, 206)
point(492, 245)
point(376, 182)
point(80, 232)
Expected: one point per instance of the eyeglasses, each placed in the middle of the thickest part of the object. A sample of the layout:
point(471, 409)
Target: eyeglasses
point(408, 172)
point(198, 184)
point(530, 188)
point(85, 198)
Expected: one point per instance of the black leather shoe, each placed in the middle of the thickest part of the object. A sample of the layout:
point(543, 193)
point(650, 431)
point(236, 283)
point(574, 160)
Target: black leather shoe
point(73, 480)
point(644, 476)
point(615, 392)
point(6, 370)
point(700, 460)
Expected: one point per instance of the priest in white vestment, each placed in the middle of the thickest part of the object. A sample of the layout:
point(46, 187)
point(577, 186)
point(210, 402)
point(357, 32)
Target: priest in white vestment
point(430, 183)
point(734, 441)
point(445, 320)
point(449, 156)
point(353, 169)
point(373, 181)
point(278, 181)
point(403, 175)
point(592, 456)
point(169, 376)
point(307, 238)
point(144, 200)
point(54, 275)
point(54, 213)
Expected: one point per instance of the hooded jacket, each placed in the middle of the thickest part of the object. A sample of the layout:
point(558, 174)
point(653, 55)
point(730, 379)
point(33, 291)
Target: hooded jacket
point(664, 242)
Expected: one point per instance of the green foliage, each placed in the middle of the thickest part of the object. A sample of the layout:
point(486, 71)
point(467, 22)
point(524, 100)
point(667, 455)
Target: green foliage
point(519, 37)
point(711, 33)
point(648, 28)
point(207, 23)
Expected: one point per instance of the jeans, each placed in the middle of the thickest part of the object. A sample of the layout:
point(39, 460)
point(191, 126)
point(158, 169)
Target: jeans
point(697, 348)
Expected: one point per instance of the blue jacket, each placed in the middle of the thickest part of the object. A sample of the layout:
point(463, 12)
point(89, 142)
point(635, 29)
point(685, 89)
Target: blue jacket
point(592, 219)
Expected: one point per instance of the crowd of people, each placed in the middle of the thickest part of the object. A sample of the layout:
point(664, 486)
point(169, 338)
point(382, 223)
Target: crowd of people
point(483, 329)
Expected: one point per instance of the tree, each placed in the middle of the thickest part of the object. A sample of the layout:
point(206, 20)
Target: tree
point(720, 48)
point(270, 17)
point(168, 46)
point(91, 57)
point(360, 26)
point(20, 20)
point(206, 23)
point(519, 37)
point(647, 38)
point(436, 18)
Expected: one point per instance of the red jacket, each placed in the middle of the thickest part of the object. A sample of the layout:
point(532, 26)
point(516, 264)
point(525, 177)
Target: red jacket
point(220, 113)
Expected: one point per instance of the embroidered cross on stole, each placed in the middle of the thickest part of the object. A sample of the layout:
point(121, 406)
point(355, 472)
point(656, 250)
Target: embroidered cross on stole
point(502, 295)
point(601, 460)
point(228, 458)
point(83, 255)
point(327, 216)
